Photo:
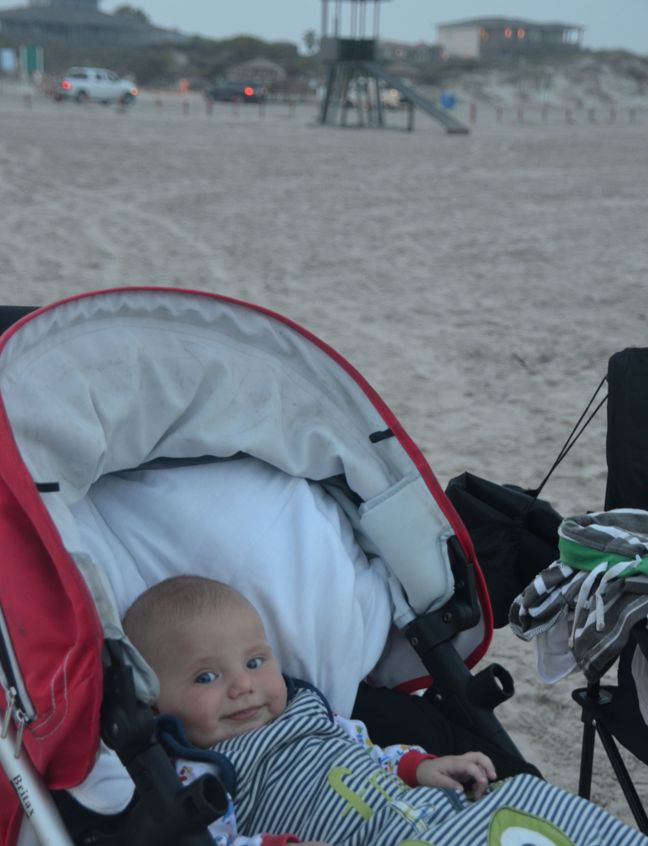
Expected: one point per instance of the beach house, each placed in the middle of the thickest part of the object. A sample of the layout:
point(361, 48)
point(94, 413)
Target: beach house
point(481, 38)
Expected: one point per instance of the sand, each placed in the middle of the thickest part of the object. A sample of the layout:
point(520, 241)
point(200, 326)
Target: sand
point(480, 283)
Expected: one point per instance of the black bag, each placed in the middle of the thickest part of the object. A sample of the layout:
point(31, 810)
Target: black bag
point(626, 445)
point(515, 535)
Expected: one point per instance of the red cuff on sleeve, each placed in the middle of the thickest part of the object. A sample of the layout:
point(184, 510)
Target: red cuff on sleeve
point(279, 839)
point(408, 764)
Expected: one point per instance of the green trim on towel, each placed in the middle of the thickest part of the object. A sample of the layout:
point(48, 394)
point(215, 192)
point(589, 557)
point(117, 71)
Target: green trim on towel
point(582, 557)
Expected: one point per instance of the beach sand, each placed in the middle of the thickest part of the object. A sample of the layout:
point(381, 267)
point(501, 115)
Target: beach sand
point(479, 282)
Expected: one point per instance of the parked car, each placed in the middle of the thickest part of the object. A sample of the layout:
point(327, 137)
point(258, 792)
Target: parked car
point(243, 92)
point(105, 86)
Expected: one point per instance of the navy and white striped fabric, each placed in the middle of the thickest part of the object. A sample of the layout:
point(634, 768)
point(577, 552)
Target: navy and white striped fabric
point(303, 774)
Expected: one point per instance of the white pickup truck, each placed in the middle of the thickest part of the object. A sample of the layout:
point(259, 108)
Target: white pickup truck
point(100, 84)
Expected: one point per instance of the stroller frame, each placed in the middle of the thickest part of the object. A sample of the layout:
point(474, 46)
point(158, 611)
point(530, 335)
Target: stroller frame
point(449, 624)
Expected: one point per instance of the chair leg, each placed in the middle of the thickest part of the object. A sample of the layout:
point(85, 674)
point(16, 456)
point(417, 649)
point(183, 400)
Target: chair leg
point(587, 757)
point(590, 699)
point(623, 777)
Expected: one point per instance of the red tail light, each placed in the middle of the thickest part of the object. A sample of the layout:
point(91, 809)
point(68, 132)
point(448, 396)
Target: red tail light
point(248, 91)
point(66, 85)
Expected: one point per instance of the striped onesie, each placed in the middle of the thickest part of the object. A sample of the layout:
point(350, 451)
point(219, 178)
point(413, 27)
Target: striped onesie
point(303, 773)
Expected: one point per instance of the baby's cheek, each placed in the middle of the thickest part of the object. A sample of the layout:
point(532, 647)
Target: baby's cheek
point(282, 700)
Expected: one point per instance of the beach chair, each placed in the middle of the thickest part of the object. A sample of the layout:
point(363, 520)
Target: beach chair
point(614, 712)
point(588, 609)
point(132, 423)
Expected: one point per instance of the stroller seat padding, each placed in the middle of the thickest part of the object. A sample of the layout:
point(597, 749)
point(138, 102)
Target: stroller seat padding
point(283, 541)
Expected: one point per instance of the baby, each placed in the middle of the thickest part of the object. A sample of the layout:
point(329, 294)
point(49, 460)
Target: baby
point(304, 770)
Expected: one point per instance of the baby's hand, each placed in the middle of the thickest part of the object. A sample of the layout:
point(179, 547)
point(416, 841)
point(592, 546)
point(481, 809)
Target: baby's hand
point(474, 769)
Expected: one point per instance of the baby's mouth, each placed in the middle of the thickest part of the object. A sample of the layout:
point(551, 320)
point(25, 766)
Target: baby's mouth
point(244, 715)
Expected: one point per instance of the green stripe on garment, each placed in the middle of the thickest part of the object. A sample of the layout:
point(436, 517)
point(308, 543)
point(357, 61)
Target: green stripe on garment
point(582, 557)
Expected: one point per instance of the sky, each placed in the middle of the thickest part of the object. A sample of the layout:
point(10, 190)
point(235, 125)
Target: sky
point(609, 24)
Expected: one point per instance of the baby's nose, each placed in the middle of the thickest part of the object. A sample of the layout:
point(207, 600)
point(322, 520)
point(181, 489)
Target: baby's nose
point(240, 683)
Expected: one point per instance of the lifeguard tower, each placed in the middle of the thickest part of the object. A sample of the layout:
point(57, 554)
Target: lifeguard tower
point(348, 48)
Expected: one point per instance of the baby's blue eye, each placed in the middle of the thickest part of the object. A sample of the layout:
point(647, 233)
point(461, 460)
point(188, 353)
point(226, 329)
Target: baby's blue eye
point(205, 678)
point(254, 663)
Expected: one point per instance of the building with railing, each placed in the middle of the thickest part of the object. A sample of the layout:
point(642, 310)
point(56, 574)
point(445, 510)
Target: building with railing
point(402, 51)
point(482, 38)
point(47, 22)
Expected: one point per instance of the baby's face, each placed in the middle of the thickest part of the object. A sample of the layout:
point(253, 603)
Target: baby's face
point(219, 676)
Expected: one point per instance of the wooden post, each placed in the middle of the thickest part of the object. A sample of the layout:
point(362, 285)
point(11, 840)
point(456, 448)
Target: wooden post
point(410, 116)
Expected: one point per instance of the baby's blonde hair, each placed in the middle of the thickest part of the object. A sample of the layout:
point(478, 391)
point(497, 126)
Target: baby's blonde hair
point(175, 600)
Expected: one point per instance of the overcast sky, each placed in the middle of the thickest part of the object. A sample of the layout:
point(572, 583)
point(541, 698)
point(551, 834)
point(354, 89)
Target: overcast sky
point(608, 23)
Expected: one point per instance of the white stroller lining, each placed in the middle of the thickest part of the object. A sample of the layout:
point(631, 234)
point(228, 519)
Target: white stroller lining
point(282, 541)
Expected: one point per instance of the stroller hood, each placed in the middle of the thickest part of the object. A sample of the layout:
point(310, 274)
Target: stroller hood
point(118, 380)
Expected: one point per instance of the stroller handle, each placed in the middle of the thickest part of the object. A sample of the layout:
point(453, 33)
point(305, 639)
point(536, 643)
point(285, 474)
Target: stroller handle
point(38, 806)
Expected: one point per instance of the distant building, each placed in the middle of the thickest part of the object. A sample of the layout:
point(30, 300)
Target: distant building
point(480, 38)
point(48, 22)
point(258, 70)
point(401, 51)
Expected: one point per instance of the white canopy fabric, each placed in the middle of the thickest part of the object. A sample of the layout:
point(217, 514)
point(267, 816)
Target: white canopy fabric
point(111, 381)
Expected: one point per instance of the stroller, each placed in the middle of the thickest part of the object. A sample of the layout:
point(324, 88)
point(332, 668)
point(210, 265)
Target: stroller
point(135, 425)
